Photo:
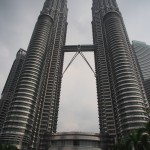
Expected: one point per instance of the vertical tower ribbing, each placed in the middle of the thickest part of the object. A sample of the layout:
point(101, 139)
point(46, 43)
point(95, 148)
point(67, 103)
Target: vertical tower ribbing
point(11, 84)
point(142, 53)
point(18, 128)
point(118, 86)
point(52, 84)
point(19, 122)
point(128, 93)
point(33, 110)
point(106, 114)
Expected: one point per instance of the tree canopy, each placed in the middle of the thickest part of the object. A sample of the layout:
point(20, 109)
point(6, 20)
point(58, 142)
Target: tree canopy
point(137, 140)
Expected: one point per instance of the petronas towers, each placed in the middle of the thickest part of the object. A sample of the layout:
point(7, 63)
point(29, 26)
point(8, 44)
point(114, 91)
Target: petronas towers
point(30, 99)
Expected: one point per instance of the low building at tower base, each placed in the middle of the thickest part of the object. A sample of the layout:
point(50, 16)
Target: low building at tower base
point(74, 141)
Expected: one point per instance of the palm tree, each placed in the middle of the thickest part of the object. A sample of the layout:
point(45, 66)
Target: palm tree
point(148, 127)
point(120, 145)
point(144, 134)
point(7, 147)
point(148, 111)
point(145, 141)
point(136, 140)
point(132, 141)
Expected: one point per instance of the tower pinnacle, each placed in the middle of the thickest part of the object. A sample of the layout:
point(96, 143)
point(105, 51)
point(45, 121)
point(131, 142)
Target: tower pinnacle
point(49, 7)
point(105, 6)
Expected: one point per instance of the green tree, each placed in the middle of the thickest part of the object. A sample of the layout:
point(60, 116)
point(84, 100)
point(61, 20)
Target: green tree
point(144, 137)
point(136, 140)
point(133, 141)
point(121, 145)
point(7, 147)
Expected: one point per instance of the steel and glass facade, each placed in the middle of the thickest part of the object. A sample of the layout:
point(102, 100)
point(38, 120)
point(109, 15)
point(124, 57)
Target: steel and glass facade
point(142, 53)
point(33, 110)
point(10, 86)
point(120, 97)
point(34, 107)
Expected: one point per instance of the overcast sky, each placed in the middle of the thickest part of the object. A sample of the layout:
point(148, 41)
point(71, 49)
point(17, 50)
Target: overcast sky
point(78, 102)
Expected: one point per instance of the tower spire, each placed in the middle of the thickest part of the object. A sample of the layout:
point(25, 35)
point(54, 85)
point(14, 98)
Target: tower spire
point(109, 3)
point(105, 6)
point(49, 7)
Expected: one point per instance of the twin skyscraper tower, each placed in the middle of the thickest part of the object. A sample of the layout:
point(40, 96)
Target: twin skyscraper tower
point(30, 99)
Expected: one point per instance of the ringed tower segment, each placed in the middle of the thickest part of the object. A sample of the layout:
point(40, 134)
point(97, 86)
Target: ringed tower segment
point(33, 111)
point(25, 121)
point(121, 100)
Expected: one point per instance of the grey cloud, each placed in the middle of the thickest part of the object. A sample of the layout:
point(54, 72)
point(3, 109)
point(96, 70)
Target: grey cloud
point(136, 14)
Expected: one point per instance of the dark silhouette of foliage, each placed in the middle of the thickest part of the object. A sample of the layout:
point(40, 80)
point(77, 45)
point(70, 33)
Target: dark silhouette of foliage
point(7, 147)
point(136, 140)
